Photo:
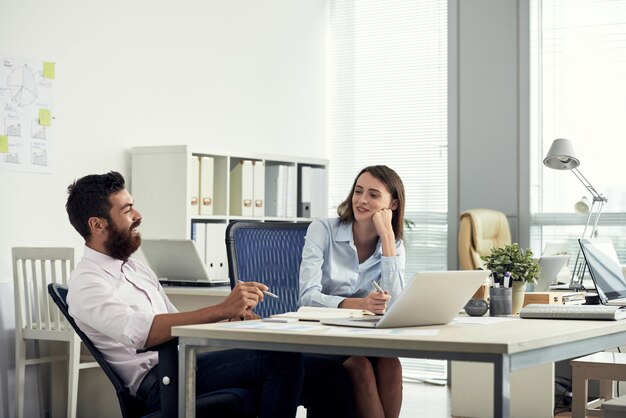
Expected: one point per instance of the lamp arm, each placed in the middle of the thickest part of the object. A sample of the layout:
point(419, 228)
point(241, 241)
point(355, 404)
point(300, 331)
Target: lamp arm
point(596, 196)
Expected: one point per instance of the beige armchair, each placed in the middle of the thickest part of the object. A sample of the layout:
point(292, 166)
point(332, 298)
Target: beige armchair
point(480, 230)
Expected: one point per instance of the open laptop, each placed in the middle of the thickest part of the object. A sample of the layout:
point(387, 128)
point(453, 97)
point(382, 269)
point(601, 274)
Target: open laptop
point(430, 298)
point(550, 265)
point(176, 262)
point(605, 269)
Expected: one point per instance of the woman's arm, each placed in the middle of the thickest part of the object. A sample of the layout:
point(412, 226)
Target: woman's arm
point(316, 242)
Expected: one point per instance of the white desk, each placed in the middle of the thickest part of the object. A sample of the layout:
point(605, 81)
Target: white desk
point(509, 346)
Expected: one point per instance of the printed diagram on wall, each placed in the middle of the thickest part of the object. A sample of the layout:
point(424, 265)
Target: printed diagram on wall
point(26, 114)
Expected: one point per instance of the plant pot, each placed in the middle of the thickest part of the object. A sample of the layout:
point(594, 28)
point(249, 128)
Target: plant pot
point(519, 290)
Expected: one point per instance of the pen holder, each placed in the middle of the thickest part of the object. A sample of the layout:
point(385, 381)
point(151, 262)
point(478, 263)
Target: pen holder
point(500, 301)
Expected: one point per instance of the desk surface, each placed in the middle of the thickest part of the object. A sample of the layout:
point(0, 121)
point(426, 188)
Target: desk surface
point(509, 345)
point(509, 337)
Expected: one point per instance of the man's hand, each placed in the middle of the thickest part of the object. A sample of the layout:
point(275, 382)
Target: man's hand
point(246, 316)
point(243, 298)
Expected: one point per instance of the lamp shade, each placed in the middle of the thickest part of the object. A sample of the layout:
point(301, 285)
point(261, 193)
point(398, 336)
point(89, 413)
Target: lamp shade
point(582, 206)
point(561, 155)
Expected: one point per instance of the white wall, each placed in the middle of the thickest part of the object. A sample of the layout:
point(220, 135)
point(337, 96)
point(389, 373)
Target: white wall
point(236, 75)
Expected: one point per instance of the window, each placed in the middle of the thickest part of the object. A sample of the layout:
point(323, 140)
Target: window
point(388, 105)
point(578, 90)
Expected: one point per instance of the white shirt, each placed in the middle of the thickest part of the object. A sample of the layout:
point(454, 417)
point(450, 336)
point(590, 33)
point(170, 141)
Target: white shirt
point(330, 269)
point(114, 304)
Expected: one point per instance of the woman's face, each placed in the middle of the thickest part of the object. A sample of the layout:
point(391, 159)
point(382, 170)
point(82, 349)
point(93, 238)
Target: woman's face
point(370, 196)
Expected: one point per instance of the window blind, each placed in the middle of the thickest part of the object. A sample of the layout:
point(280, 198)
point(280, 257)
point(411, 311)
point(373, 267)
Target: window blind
point(388, 105)
point(578, 85)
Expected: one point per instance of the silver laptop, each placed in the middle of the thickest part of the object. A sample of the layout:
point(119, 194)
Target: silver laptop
point(550, 265)
point(430, 298)
point(605, 269)
point(176, 262)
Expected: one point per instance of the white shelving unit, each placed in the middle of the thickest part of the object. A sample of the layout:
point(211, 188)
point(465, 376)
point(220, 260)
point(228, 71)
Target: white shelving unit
point(163, 179)
point(161, 185)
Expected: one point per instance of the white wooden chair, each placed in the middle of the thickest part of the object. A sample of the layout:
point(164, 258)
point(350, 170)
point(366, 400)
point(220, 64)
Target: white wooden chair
point(37, 318)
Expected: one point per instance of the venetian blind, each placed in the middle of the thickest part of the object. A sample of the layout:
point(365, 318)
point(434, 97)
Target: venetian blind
point(388, 105)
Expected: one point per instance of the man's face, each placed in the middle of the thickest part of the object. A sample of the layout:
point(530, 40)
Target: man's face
point(123, 237)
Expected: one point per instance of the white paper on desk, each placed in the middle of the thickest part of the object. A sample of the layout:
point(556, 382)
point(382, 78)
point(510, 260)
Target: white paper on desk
point(482, 320)
point(293, 326)
point(380, 331)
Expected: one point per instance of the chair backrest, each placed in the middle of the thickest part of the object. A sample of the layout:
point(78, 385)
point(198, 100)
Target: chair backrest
point(33, 270)
point(270, 253)
point(129, 405)
point(480, 230)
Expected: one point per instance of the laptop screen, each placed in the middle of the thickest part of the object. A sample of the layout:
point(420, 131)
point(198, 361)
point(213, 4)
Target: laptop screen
point(604, 267)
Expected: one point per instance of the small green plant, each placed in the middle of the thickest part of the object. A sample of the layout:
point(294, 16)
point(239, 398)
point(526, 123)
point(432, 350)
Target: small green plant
point(515, 260)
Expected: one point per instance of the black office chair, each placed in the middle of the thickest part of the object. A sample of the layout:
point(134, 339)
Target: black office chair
point(270, 253)
point(235, 402)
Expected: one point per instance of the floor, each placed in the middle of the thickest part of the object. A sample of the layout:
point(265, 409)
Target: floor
point(428, 401)
point(420, 400)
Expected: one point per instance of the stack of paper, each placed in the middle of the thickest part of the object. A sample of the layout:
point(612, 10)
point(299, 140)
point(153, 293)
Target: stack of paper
point(310, 313)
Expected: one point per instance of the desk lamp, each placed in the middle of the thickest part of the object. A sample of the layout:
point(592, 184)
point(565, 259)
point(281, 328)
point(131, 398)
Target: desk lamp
point(561, 156)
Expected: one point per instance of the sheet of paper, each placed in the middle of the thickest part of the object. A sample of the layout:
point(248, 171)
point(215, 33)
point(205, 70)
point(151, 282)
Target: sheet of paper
point(272, 326)
point(482, 320)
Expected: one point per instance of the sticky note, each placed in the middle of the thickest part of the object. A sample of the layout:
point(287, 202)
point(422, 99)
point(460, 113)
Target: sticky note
point(48, 70)
point(4, 144)
point(44, 117)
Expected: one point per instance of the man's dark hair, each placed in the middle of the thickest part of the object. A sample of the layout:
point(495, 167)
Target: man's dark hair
point(89, 197)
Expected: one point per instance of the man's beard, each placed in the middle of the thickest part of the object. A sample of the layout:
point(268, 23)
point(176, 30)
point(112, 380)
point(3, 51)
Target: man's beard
point(121, 244)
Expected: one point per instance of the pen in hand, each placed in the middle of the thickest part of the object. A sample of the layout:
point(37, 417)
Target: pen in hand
point(265, 292)
point(377, 287)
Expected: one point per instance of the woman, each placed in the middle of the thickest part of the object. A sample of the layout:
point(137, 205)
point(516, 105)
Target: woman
point(341, 259)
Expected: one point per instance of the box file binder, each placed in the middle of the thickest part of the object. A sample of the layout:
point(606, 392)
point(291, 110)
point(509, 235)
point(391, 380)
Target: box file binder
point(206, 185)
point(318, 196)
point(241, 189)
point(198, 235)
point(258, 188)
point(292, 192)
point(194, 188)
point(304, 204)
point(216, 258)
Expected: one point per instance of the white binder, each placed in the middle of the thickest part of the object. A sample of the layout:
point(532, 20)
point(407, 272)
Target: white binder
point(291, 190)
point(217, 261)
point(258, 189)
point(319, 205)
point(304, 205)
point(198, 234)
point(241, 189)
point(276, 186)
point(194, 187)
point(206, 185)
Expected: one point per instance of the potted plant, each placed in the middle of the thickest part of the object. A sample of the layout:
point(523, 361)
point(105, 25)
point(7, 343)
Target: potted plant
point(521, 266)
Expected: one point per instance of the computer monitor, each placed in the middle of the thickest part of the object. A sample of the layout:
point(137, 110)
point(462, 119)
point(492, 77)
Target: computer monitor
point(605, 268)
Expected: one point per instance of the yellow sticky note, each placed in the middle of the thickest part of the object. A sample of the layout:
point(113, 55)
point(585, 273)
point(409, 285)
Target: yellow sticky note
point(44, 117)
point(4, 144)
point(48, 70)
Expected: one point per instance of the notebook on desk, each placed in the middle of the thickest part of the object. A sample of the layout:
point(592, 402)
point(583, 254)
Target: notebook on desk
point(605, 269)
point(430, 298)
point(176, 262)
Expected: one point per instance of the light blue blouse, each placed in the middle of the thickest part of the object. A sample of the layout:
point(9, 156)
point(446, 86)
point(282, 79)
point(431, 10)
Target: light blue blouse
point(330, 269)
